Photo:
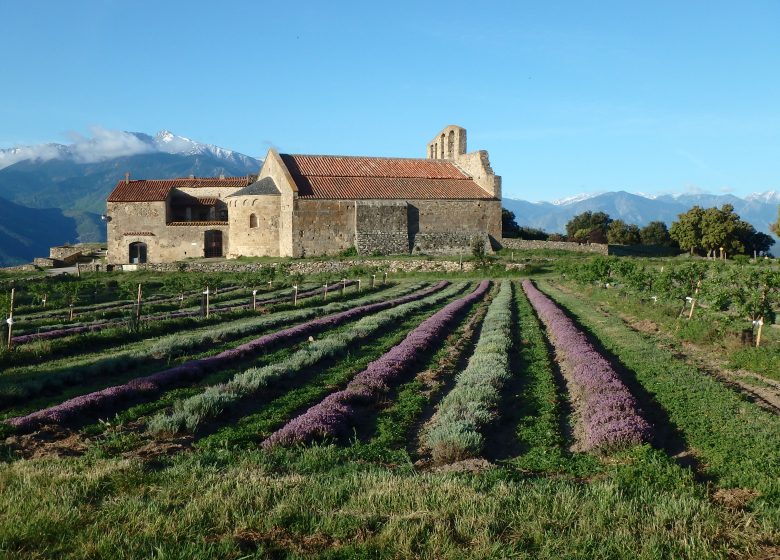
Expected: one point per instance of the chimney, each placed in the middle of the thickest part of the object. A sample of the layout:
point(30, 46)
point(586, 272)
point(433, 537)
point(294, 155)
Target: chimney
point(192, 176)
point(127, 177)
point(222, 175)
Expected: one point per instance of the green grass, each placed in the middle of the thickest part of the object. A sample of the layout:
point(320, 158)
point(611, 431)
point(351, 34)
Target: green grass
point(309, 503)
point(763, 360)
point(542, 445)
point(736, 442)
point(226, 498)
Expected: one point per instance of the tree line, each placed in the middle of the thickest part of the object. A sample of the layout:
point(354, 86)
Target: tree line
point(702, 231)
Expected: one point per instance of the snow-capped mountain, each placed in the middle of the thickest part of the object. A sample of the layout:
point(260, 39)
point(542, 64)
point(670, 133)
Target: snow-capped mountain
point(170, 143)
point(768, 197)
point(108, 144)
point(575, 198)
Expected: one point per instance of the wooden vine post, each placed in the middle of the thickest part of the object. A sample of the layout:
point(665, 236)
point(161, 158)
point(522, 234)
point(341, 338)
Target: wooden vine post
point(10, 320)
point(295, 294)
point(206, 293)
point(358, 284)
point(760, 328)
point(693, 299)
point(325, 293)
point(254, 300)
point(373, 280)
point(138, 304)
point(384, 280)
point(45, 296)
point(71, 312)
point(343, 286)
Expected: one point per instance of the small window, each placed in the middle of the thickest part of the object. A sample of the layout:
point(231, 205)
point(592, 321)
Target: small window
point(252, 221)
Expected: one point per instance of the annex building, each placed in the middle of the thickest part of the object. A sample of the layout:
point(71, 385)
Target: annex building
point(310, 205)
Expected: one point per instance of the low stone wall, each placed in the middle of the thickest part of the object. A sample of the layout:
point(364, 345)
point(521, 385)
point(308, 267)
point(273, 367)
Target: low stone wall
point(315, 267)
point(66, 254)
point(44, 262)
point(19, 268)
point(525, 244)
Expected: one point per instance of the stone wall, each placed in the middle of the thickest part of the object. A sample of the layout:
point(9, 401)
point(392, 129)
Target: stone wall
point(315, 267)
point(274, 167)
point(463, 218)
point(382, 227)
point(525, 244)
point(43, 262)
point(323, 227)
point(261, 240)
point(145, 222)
point(437, 243)
point(67, 254)
point(382, 243)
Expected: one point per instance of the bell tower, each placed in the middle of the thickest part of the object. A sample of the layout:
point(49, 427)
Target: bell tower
point(448, 144)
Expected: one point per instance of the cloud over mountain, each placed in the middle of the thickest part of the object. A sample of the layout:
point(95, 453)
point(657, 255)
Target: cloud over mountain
point(104, 144)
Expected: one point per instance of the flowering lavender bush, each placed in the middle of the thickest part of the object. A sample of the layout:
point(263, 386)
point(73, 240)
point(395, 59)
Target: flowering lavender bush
point(170, 346)
point(334, 414)
point(190, 413)
point(609, 411)
point(456, 429)
point(108, 398)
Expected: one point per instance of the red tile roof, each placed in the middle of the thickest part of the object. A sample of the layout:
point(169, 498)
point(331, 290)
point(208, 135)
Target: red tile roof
point(345, 177)
point(158, 189)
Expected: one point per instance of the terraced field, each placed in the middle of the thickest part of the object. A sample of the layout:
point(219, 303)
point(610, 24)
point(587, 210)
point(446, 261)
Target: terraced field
point(418, 419)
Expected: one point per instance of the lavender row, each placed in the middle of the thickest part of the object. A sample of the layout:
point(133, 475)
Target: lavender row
point(70, 331)
point(153, 384)
point(336, 413)
point(189, 414)
point(609, 412)
point(180, 343)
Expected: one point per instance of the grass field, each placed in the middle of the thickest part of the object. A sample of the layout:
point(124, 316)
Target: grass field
point(417, 419)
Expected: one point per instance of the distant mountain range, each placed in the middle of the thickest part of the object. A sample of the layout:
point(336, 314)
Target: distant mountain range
point(759, 209)
point(54, 193)
point(63, 188)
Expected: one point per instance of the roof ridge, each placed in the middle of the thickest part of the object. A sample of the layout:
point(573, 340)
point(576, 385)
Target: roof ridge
point(368, 157)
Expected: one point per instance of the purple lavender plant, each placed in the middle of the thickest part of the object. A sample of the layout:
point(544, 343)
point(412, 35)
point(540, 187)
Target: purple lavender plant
point(610, 413)
point(333, 416)
point(109, 398)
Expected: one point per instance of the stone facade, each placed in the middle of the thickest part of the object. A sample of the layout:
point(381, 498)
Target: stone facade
point(405, 208)
point(66, 254)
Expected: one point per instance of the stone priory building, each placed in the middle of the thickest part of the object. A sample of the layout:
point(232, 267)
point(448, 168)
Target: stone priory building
point(309, 205)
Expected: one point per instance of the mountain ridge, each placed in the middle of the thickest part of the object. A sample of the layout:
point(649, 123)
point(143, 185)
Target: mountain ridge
point(759, 209)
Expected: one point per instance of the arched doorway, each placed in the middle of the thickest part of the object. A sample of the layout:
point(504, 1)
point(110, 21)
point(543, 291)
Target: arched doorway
point(213, 243)
point(137, 252)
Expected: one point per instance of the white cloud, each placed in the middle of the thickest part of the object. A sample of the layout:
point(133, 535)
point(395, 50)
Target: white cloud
point(106, 144)
point(103, 144)
point(40, 152)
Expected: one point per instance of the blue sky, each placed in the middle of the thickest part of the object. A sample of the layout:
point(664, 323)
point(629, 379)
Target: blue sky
point(567, 97)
